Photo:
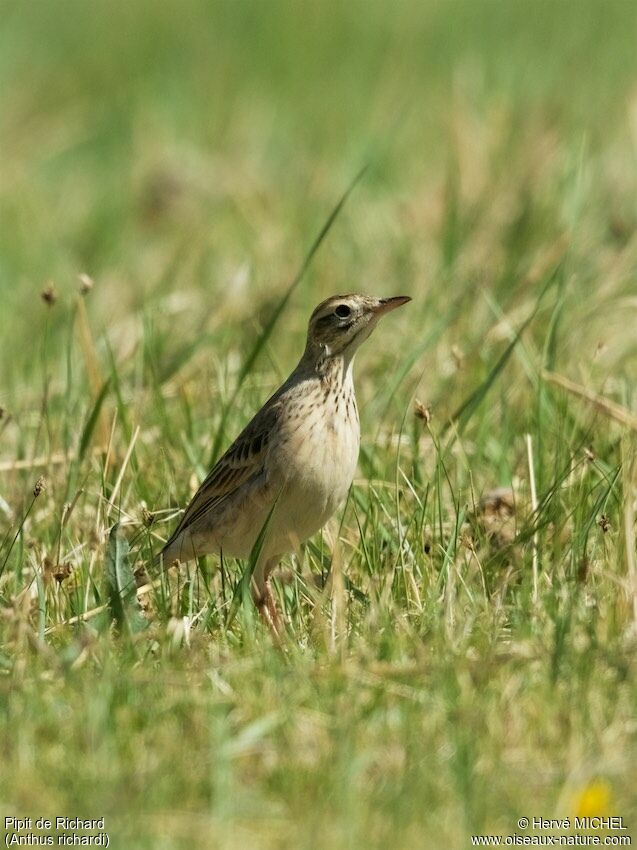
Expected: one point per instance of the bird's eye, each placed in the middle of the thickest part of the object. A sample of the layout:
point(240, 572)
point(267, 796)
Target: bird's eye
point(343, 311)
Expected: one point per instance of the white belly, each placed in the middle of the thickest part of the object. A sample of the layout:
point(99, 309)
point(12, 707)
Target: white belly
point(319, 469)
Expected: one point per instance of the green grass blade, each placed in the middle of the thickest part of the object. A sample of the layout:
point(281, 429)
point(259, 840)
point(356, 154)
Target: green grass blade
point(121, 587)
point(91, 421)
point(470, 405)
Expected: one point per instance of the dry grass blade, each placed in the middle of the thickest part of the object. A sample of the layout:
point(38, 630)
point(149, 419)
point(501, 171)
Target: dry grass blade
point(609, 408)
point(120, 477)
point(55, 459)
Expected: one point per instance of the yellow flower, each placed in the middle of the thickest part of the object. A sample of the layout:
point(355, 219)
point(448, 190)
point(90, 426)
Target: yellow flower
point(593, 800)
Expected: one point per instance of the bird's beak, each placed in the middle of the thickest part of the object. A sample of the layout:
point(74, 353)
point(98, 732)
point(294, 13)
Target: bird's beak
point(385, 305)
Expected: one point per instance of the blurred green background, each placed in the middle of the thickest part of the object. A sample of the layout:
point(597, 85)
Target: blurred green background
point(184, 154)
point(159, 146)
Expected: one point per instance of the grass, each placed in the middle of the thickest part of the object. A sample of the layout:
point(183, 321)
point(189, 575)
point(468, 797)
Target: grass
point(466, 655)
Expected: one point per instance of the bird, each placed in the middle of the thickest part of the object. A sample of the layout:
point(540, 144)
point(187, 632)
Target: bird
point(292, 466)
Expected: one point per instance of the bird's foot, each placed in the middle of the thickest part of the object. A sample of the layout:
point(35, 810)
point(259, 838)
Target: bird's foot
point(267, 608)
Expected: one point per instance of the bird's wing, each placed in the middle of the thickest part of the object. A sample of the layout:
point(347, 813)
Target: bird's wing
point(243, 460)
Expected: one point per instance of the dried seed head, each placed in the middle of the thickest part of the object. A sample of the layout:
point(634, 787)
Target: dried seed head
point(48, 294)
point(467, 541)
point(86, 283)
point(39, 487)
point(59, 572)
point(604, 523)
point(422, 411)
point(148, 518)
point(62, 571)
point(589, 454)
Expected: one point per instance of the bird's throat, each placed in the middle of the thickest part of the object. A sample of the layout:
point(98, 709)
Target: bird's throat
point(335, 368)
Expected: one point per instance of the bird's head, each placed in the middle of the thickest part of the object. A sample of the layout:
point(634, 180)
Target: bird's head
point(341, 323)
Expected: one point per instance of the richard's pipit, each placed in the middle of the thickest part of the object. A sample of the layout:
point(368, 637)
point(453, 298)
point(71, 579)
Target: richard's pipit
point(292, 466)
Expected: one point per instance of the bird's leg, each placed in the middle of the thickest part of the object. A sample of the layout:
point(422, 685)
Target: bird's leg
point(267, 607)
point(264, 598)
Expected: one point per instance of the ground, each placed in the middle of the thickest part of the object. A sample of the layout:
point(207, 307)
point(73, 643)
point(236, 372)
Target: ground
point(460, 647)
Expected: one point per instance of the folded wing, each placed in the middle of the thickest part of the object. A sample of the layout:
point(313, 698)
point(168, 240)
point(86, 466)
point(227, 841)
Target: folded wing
point(243, 461)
